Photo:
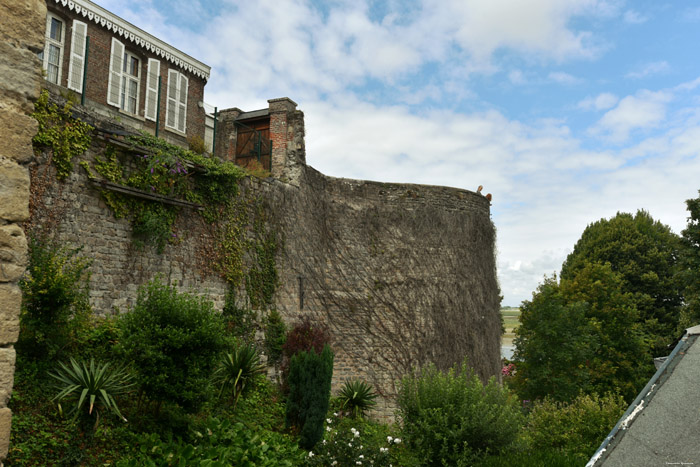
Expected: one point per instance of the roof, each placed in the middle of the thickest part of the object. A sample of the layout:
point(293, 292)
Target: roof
point(662, 426)
point(128, 31)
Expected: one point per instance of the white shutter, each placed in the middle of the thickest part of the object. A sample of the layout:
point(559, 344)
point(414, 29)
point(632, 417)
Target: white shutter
point(182, 104)
point(44, 55)
point(77, 56)
point(114, 84)
point(152, 89)
point(171, 104)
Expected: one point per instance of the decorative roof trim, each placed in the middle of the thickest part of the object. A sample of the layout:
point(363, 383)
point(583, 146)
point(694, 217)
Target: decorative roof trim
point(128, 31)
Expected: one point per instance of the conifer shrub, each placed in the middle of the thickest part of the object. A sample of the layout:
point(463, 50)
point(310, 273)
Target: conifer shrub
point(453, 419)
point(173, 341)
point(275, 337)
point(305, 336)
point(309, 382)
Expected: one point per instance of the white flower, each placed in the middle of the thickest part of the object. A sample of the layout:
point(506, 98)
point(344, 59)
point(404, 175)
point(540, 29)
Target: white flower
point(328, 420)
point(397, 440)
point(353, 430)
point(311, 454)
point(383, 449)
point(324, 441)
point(334, 463)
point(357, 434)
point(350, 444)
point(389, 439)
point(358, 462)
point(335, 414)
point(360, 456)
point(328, 429)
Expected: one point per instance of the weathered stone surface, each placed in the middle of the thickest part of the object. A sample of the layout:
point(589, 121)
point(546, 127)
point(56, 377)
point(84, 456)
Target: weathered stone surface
point(5, 426)
point(7, 374)
point(14, 191)
point(23, 23)
point(11, 300)
point(16, 133)
point(13, 247)
point(21, 78)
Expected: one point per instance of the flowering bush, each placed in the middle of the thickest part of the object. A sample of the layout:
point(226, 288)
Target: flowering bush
point(508, 370)
point(344, 445)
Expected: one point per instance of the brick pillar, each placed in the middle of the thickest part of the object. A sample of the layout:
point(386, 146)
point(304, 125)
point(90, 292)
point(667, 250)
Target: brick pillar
point(226, 134)
point(21, 37)
point(281, 132)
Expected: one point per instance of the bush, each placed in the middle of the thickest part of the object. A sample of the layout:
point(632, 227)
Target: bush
point(309, 380)
point(303, 337)
point(357, 397)
point(576, 428)
point(55, 299)
point(275, 337)
point(238, 370)
point(173, 341)
point(452, 418)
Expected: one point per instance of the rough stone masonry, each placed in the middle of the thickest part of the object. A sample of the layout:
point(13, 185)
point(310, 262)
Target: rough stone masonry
point(21, 38)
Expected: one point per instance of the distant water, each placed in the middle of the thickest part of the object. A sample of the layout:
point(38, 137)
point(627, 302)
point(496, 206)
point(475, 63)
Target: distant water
point(507, 351)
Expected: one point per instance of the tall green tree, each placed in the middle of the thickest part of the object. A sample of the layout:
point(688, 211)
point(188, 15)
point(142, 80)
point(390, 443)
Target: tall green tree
point(645, 253)
point(690, 262)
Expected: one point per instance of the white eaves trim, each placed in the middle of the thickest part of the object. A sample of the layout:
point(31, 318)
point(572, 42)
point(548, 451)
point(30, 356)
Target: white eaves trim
point(128, 31)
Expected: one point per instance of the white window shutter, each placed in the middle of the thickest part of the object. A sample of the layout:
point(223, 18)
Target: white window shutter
point(152, 88)
point(171, 103)
point(182, 104)
point(77, 56)
point(114, 85)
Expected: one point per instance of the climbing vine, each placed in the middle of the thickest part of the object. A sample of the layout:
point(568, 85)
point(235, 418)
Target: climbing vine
point(66, 135)
point(261, 279)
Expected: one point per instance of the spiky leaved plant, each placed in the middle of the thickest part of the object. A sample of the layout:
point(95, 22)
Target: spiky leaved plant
point(237, 369)
point(357, 397)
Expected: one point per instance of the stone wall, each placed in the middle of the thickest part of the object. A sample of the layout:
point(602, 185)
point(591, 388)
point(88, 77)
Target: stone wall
point(400, 274)
point(21, 37)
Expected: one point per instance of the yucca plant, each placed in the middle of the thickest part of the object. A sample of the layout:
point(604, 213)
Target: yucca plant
point(92, 386)
point(357, 397)
point(237, 369)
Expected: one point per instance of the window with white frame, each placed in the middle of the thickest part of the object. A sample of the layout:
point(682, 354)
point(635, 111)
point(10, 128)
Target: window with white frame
point(52, 55)
point(124, 78)
point(176, 106)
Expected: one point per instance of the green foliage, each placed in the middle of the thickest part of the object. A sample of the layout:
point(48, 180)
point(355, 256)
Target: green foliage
point(238, 370)
point(261, 280)
point(581, 335)
point(55, 298)
point(173, 341)
point(309, 382)
point(690, 261)
point(95, 384)
point(275, 337)
point(645, 254)
point(59, 130)
point(357, 397)
point(152, 224)
point(241, 322)
point(354, 442)
point(576, 428)
point(452, 418)
point(219, 443)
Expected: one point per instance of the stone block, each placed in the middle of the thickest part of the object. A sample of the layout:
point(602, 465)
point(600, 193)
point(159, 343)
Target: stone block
point(5, 426)
point(10, 303)
point(23, 23)
point(14, 190)
point(7, 374)
point(21, 78)
point(16, 133)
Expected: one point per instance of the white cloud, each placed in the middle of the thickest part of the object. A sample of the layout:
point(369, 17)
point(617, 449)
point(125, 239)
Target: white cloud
point(563, 78)
point(602, 101)
point(517, 77)
point(652, 68)
point(634, 17)
point(643, 111)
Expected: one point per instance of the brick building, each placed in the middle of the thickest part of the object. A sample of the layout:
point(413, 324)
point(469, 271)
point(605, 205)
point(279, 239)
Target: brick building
point(123, 71)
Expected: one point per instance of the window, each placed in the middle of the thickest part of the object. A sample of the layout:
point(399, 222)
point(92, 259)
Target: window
point(176, 107)
point(152, 97)
point(52, 55)
point(124, 77)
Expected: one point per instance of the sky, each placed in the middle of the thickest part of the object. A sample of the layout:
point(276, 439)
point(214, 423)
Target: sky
point(566, 111)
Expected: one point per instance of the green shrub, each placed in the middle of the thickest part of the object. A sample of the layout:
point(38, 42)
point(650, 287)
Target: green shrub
point(348, 441)
point(173, 341)
point(54, 299)
point(275, 337)
point(309, 381)
point(576, 428)
point(95, 385)
point(357, 397)
point(451, 418)
point(237, 370)
point(219, 442)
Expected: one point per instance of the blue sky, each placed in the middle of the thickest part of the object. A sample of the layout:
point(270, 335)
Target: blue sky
point(567, 111)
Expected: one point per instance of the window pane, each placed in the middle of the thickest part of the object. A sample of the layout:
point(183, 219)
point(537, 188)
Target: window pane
point(54, 55)
point(134, 67)
point(56, 29)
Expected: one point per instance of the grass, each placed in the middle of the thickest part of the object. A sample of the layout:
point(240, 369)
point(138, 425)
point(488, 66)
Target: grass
point(511, 319)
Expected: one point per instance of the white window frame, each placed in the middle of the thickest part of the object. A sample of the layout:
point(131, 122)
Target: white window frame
point(59, 44)
point(76, 67)
point(126, 92)
point(176, 104)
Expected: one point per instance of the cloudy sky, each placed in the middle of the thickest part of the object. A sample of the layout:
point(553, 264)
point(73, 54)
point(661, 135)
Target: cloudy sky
point(567, 111)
